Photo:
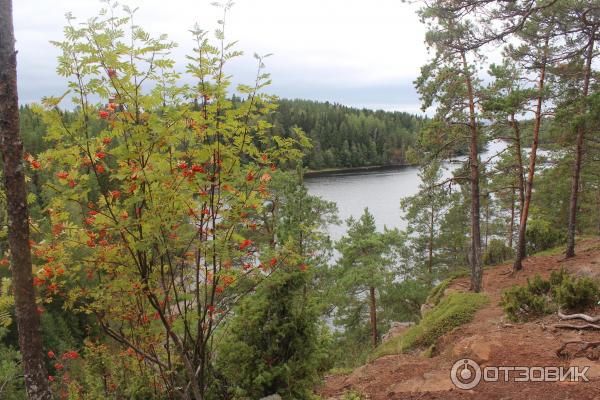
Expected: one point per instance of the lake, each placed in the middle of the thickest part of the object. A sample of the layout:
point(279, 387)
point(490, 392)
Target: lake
point(380, 191)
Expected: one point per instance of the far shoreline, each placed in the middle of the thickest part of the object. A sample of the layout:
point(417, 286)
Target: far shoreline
point(350, 170)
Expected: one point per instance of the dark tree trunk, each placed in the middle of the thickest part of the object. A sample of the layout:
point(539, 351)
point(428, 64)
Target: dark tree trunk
point(28, 320)
point(373, 312)
point(578, 156)
point(476, 267)
point(518, 264)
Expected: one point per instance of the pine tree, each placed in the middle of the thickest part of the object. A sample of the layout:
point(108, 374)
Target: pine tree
point(365, 264)
point(424, 213)
point(449, 80)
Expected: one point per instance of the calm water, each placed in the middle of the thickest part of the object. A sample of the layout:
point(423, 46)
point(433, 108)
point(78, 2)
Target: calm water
point(380, 191)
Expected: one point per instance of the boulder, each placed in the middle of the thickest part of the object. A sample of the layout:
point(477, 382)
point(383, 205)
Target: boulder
point(396, 329)
point(272, 397)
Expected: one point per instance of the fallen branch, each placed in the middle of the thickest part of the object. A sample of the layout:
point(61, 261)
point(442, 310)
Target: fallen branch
point(572, 326)
point(584, 317)
point(584, 346)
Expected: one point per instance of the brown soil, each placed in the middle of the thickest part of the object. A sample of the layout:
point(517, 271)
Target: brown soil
point(490, 340)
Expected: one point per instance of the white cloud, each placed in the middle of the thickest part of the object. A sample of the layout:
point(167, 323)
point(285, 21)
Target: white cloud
point(344, 48)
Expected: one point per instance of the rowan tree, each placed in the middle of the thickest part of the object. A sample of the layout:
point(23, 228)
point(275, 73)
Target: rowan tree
point(154, 221)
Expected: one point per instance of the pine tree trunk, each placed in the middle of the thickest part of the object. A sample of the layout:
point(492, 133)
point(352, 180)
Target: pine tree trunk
point(520, 172)
point(373, 311)
point(518, 264)
point(28, 320)
point(578, 157)
point(476, 267)
point(487, 220)
point(431, 232)
point(511, 225)
point(598, 227)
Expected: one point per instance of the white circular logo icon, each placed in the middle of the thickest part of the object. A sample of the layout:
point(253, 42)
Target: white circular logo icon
point(465, 374)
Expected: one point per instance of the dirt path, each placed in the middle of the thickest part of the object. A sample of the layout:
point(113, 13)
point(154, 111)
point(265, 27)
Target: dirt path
point(490, 340)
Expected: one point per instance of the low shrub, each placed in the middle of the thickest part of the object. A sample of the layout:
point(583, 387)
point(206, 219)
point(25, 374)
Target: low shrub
point(557, 277)
point(542, 235)
point(352, 395)
point(576, 294)
point(497, 252)
point(540, 296)
point(520, 303)
point(538, 286)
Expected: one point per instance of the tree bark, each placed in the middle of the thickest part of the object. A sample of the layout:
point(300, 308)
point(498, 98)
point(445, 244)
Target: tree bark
point(598, 225)
point(28, 320)
point(476, 267)
point(373, 311)
point(518, 264)
point(578, 156)
point(431, 233)
point(520, 172)
point(511, 225)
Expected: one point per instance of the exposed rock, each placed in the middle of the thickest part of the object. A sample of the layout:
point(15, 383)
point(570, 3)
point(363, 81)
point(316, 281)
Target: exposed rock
point(594, 366)
point(477, 348)
point(435, 381)
point(396, 329)
point(272, 397)
point(424, 308)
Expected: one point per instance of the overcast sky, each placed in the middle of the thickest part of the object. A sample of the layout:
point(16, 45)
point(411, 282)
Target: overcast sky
point(363, 53)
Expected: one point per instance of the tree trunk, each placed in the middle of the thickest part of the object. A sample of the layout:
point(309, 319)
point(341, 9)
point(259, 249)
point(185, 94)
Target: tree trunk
point(487, 220)
point(28, 320)
point(518, 264)
point(373, 311)
point(476, 268)
point(520, 172)
point(578, 156)
point(511, 225)
point(598, 227)
point(431, 232)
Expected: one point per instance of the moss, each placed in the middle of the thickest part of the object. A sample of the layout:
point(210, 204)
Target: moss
point(428, 353)
point(454, 310)
point(437, 292)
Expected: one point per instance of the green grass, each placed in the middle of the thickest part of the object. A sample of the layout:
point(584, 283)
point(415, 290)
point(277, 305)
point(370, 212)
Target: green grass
point(341, 370)
point(551, 251)
point(452, 311)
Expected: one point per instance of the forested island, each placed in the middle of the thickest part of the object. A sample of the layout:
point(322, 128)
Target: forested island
point(158, 239)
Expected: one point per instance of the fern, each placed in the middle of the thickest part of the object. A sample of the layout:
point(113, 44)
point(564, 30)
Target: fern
point(7, 302)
